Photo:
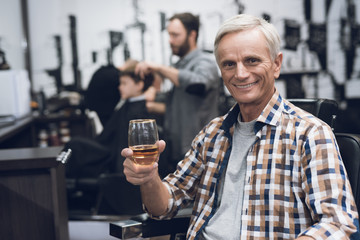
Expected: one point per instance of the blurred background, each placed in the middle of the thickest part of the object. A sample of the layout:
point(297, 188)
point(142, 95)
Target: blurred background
point(61, 43)
point(50, 50)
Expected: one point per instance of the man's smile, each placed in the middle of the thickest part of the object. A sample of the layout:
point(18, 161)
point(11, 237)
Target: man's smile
point(245, 86)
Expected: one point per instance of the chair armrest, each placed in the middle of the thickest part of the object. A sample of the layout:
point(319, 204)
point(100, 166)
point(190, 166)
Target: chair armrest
point(144, 226)
point(126, 229)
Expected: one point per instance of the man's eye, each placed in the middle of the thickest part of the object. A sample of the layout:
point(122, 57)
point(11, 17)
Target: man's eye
point(252, 60)
point(228, 64)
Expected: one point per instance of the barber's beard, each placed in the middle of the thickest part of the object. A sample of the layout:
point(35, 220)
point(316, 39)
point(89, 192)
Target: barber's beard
point(183, 49)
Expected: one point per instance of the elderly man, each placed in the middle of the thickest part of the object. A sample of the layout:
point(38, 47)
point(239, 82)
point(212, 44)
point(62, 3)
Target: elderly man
point(265, 170)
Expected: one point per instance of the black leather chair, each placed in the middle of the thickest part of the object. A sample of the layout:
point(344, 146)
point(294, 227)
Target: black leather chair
point(325, 109)
point(117, 196)
point(145, 227)
point(349, 145)
point(112, 198)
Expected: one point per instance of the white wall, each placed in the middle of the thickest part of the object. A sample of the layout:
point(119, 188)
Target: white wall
point(11, 35)
point(96, 18)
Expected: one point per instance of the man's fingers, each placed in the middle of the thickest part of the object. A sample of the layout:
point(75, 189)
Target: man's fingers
point(139, 180)
point(141, 69)
point(137, 68)
point(161, 144)
point(127, 153)
point(139, 174)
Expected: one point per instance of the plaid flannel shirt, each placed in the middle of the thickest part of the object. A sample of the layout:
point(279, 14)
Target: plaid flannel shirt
point(296, 183)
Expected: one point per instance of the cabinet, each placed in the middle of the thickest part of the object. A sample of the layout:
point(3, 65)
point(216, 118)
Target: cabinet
point(64, 126)
point(18, 134)
point(33, 195)
point(24, 132)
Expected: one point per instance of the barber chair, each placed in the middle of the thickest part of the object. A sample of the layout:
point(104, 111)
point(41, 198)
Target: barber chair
point(109, 196)
point(81, 196)
point(117, 196)
point(349, 145)
point(144, 226)
point(325, 109)
point(92, 190)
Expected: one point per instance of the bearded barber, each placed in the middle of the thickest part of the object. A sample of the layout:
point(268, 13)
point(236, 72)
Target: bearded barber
point(193, 100)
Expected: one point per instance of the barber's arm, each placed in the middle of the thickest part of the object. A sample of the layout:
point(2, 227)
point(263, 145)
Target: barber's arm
point(156, 107)
point(168, 72)
point(199, 77)
point(154, 193)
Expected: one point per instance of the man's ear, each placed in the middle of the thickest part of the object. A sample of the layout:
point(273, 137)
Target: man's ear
point(277, 65)
point(192, 35)
point(140, 86)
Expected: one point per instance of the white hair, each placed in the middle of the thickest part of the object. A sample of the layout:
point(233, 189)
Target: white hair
point(243, 22)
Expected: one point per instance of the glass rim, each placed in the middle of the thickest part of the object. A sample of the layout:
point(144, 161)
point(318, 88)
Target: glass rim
point(142, 120)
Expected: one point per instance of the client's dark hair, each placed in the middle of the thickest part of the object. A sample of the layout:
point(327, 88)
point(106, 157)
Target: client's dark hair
point(129, 70)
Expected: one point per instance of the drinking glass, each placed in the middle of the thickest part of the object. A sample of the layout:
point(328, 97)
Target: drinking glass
point(143, 136)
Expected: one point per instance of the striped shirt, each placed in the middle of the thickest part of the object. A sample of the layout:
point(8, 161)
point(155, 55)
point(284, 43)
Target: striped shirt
point(295, 184)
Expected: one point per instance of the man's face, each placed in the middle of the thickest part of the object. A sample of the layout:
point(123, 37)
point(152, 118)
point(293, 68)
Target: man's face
point(246, 67)
point(178, 38)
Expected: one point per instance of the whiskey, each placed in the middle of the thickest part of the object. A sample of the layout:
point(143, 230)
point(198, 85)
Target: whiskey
point(145, 154)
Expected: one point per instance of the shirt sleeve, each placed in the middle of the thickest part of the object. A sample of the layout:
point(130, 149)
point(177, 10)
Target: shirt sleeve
point(329, 195)
point(183, 183)
point(169, 212)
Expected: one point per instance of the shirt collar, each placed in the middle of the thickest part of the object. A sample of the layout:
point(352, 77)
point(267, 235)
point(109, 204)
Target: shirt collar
point(184, 60)
point(270, 114)
point(137, 98)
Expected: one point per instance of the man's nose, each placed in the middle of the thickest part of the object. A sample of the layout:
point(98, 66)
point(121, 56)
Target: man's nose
point(241, 71)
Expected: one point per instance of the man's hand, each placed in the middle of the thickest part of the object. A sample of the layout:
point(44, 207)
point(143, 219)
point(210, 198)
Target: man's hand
point(156, 107)
point(154, 194)
point(144, 68)
point(171, 73)
point(140, 174)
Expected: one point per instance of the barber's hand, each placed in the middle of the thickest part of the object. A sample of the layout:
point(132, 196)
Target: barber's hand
point(140, 174)
point(144, 68)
